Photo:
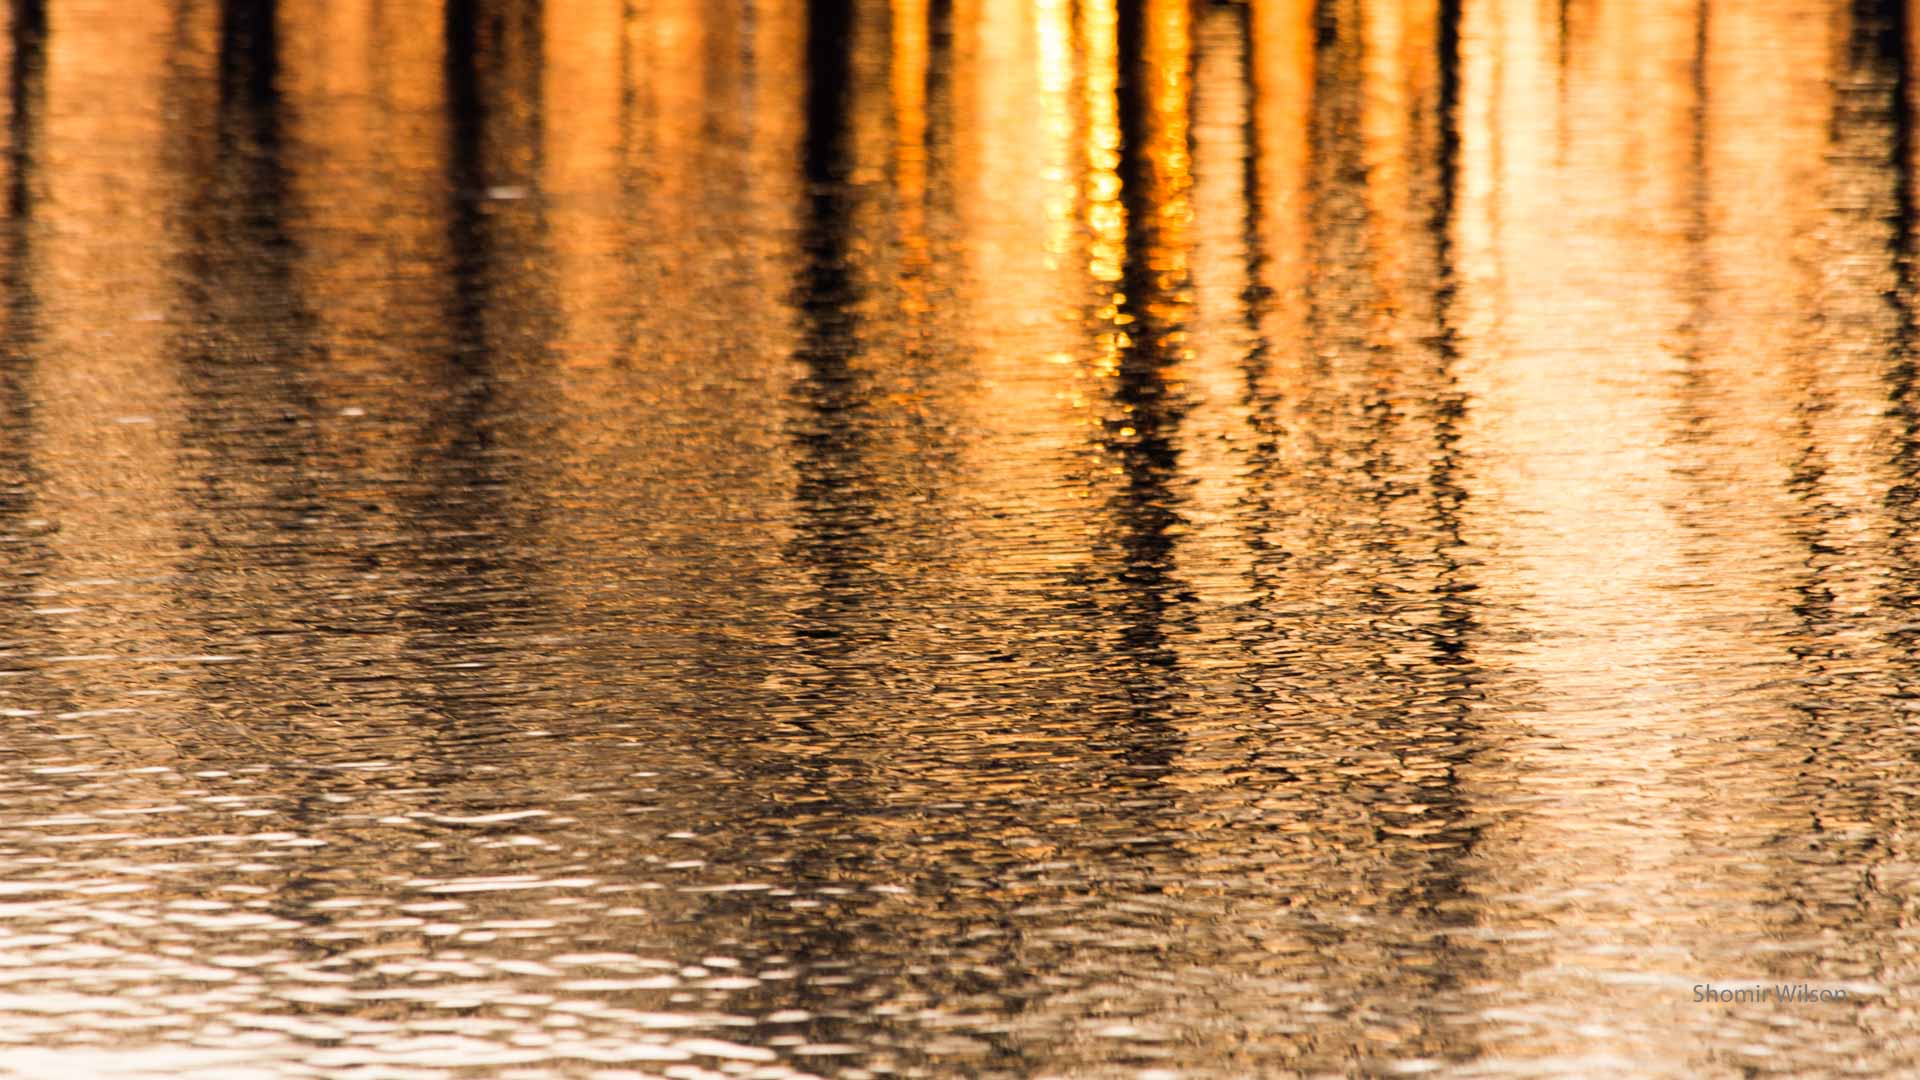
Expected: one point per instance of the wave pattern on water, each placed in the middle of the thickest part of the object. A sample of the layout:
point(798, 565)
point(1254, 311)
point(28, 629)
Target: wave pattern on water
point(957, 537)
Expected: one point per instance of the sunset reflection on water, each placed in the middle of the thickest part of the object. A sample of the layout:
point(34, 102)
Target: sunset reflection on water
point(957, 537)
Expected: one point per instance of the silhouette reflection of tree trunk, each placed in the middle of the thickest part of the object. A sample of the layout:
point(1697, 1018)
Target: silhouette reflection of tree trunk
point(1456, 623)
point(940, 111)
point(1903, 372)
point(1840, 729)
point(834, 539)
point(249, 429)
point(1142, 435)
point(248, 415)
point(1456, 679)
point(1903, 369)
point(470, 578)
point(834, 543)
point(1901, 43)
point(26, 99)
point(26, 58)
point(494, 111)
point(25, 552)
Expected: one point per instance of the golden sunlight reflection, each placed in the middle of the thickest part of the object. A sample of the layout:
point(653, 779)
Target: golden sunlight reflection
point(1106, 217)
point(1281, 73)
point(958, 537)
point(908, 36)
point(1635, 416)
point(100, 363)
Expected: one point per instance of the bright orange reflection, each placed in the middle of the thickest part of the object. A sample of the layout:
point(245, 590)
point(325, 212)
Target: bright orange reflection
point(992, 537)
point(1106, 217)
point(107, 429)
point(1282, 72)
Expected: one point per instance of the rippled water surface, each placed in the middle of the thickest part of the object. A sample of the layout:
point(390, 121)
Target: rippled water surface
point(1018, 538)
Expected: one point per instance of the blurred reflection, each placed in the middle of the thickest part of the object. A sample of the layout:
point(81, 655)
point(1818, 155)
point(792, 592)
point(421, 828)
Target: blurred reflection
point(26, 59)
point(26, 55)
point(835, 484)
point(1085, 537)
point(1148, 323)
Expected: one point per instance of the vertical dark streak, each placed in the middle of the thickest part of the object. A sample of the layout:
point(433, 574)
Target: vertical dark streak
point(249, 415)
point(1900, 149)
point(20, 473)
point(939, 134)
point(492, 68)
point(1456, 616)
point(834, 545)
point(25, 93)
point(25, 90)
point(466, 559)
point(1145, 508)
point(1901, 347)
point(249, 65)
point(1447, 45)
point(249, 411)
point(249, 188)
point(1262, 408)
point(1456, 622)
point(1903, 373)
point(466, 153)
point(829, 71)
point(1871, 110)
point(834, 485)
point(26, 64)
